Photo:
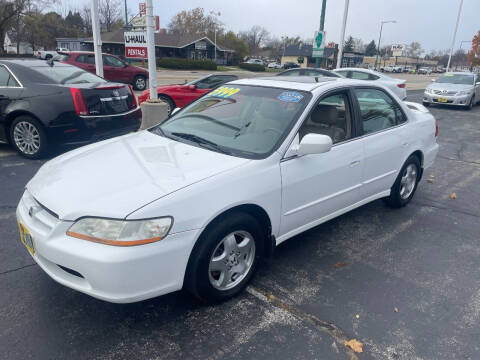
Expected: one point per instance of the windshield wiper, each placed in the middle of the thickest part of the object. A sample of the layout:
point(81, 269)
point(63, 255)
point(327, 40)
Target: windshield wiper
point(201, 141)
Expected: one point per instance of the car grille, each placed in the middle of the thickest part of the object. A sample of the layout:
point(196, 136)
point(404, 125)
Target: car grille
point(43, 219)
point(440, 92)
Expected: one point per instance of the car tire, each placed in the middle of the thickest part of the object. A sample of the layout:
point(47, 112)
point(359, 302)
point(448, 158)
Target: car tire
point(169, 102)
point(220, 246)
point(406, 183)
point(48, 57)
point(140, 82)
point(28, 137)
point(471, 103)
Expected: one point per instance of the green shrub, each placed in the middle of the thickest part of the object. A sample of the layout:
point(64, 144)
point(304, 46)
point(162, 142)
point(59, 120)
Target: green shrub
point(187, 64)
point(252, 67)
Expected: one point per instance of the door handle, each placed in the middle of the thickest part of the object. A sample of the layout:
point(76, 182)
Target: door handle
point(354, 163)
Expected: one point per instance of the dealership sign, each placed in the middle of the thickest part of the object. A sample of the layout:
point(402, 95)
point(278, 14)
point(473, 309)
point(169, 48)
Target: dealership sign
point(135, 44)
point(398, 50)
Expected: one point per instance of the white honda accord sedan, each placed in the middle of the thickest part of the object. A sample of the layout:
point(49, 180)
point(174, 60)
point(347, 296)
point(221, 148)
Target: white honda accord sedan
point(197, 201)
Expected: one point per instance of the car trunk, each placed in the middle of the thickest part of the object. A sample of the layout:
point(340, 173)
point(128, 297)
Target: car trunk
point(111, 99)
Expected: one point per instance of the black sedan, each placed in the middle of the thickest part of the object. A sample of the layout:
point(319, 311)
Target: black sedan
point(48, 103)
point(308, 72)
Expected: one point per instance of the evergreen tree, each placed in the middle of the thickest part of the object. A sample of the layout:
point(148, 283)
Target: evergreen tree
point(349, 45)
point(371, 49)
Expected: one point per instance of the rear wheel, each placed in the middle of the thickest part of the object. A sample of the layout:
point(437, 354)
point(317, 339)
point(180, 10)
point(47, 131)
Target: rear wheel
point(140, 82)
point(406, 183)
point(28, 137)
point(169, 102)
point(471, 103)
point(225, 258)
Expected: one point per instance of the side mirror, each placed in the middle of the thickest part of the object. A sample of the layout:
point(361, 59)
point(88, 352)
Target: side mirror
point(192, 87)
point(175, 111)
point(314, 144)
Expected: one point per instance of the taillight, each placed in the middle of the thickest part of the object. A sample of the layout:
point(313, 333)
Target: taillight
point(402, 86)
point(436, 128)
point(135, 103)
point(78, 101)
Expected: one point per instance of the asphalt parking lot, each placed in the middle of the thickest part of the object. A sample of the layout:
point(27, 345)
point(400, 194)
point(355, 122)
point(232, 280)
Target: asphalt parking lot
point(405, 283)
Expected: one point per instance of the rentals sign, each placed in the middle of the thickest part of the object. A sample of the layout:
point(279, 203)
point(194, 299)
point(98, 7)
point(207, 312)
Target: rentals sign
point(135, 44)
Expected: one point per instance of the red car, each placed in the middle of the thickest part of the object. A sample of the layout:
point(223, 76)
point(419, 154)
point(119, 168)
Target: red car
point(182, 95)
point(114, 69)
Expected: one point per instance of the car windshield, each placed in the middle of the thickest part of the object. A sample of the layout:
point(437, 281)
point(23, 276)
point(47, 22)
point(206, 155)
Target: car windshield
point(193, 82)
point(68, 75)
point(463, 79)
point(245, 121)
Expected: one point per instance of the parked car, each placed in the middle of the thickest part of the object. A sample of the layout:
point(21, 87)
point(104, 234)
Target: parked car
point(274, 65)
point(182, 95)
point(43, 104)
point(392, 69)
point(398, 86)
point(308, 72)
point(424, 71)
point(454, 88)
point(290, 65)
point(255, 61)
point(45, 54)
point(198, 200)
point(114, 69)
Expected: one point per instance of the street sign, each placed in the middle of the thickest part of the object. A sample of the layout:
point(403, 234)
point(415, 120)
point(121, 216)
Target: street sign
point(318, 44)
point(135, 44)
point(142, 7)
point(141, 22)
point(398, 50)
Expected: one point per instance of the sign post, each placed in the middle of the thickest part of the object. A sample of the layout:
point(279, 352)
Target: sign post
point(97, 40)
point(342, 35)
point(152, 66)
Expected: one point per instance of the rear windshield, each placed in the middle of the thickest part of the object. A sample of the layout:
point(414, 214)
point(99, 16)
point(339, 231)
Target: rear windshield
point(68, 75)
point(456, 79)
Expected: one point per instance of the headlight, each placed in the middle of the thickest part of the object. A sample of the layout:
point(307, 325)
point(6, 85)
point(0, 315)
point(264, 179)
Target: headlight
point(465, 92)
point(429, 91)
point(121, 232)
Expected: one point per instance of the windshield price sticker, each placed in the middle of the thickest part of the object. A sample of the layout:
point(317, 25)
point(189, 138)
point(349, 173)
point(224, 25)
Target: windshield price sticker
point(290, 96)
point(224, 92)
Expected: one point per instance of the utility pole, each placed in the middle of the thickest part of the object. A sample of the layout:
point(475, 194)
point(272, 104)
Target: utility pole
point(97, 41)
point(126, 15)
point(322, 25)
point(152, 66)
point(454, 35)
point(342, 35)
point(380, 39)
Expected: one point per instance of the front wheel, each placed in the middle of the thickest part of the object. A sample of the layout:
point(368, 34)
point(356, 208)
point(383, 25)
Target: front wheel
point(169, 102)
point(406, 183)
point(28, 137)
point(225, 257)
point(471, 103)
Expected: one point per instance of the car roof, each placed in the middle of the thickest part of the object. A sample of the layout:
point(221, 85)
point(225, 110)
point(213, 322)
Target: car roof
point(31, 62)
point(305, 83)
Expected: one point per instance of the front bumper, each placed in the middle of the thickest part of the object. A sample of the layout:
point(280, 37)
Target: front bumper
point(458, 100)
point(110, 273)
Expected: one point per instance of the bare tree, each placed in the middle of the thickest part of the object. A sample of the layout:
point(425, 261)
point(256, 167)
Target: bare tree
point(414, 49)
point(87, 19)
point(110, 12)
point(195, 22)
point(256, 37)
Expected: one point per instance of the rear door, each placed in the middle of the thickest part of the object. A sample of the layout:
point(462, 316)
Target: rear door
point(86, 62)
point(10, 90)
point(386, 141)
point(316, 187)
point(114, 69)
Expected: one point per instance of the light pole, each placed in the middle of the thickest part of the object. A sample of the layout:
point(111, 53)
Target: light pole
point(454, 35)
point(215, 31)
point(97, 40)
point(380, 39)
point(342, 35)
point(322, 25)
point(152, 66)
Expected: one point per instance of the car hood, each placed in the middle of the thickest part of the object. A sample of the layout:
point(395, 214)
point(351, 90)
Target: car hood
point(116, 177)
point(450, 87)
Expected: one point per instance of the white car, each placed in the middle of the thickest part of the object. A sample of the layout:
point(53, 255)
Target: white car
point(274, 65)
point(195, 202)
point(256, 61)
point(398, 86)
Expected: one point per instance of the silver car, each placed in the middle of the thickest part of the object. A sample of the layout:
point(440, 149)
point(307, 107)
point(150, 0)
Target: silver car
point(454, 88)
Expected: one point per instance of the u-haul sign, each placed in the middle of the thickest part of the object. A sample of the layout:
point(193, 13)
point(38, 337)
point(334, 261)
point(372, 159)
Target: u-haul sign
point(135, 44)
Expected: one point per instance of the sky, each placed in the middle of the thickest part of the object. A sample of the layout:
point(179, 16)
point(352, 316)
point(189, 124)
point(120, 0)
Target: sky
point(431, 22)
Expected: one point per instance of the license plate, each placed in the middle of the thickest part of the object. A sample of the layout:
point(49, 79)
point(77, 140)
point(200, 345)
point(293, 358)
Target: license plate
point(442, 99)
point(26, 238)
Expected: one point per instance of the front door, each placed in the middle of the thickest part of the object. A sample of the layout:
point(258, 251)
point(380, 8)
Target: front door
point(320, 186)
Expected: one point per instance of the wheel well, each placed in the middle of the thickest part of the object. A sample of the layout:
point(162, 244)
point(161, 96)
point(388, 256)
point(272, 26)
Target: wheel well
point(419, 155)
point(168, 97)
point(12, 116)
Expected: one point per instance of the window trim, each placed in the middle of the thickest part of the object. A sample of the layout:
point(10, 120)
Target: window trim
point(14, 76)
point(360, 119)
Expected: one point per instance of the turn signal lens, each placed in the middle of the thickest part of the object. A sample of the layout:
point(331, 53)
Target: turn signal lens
point(121, 232)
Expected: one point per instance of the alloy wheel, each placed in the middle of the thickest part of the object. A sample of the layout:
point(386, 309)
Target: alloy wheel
point(231, 260)
point(26, 137)
point(408, 181)
point(140, 83)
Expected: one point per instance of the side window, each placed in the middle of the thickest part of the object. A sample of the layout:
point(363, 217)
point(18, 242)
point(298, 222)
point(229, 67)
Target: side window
point(331, 116)
point(343, 73)
point(81, 59)
point(212, 82)
point(91, 59)
point(6, 79)
point(378, 110)
point(373, 77)
point(358, 75)
point(112, 61)
point(291, 73)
